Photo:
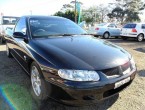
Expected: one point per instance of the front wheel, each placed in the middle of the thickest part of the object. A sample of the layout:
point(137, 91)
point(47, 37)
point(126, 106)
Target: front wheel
point(39, 89)
point(140, 37)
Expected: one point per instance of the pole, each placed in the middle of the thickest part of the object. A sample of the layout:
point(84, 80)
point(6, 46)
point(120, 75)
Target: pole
point(30, 12)
point(75, 11)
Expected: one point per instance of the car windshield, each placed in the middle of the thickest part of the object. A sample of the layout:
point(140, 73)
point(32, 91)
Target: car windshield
point(9, 20)
point(45, 27)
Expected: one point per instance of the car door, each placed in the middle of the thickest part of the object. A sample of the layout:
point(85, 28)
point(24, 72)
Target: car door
point(19, 48)
point(112, 29)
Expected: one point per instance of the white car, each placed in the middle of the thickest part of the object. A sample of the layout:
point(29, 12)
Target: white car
point(107, 30)
point(6, 22)
point(133, 30)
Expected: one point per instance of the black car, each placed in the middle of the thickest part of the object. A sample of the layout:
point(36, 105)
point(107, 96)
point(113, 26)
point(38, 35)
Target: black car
point(65, 63)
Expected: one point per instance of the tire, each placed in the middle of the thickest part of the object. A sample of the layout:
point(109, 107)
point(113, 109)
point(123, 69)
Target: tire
point(124, 38)
point(8, 52)
point(140, 37)
point(106, 35)
point(39, 90)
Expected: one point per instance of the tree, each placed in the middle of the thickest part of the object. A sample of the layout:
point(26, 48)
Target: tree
point(95, 14)
point(68, 11)
point(67, 14)
point(102, 13)
point(88, 15)
point(126, 10)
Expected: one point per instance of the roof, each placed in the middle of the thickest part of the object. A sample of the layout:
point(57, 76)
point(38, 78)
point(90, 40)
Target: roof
point(40, 16)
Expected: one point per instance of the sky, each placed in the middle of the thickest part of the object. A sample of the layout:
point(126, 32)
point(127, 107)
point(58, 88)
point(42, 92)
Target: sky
point(40, 7)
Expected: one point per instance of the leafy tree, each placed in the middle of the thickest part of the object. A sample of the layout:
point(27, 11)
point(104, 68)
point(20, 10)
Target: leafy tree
point(102, 12)
point(68, 11)
point(126, 10)
point(67, 14)
point(89, 15)
point(96, 14)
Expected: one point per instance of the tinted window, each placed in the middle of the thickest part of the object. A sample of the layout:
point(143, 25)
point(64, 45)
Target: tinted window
point(41, 27)
point(21, 26)
point(143, 26)
point(130, 26)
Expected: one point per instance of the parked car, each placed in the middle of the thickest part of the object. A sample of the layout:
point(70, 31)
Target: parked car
point(133, 30)
point(6, 22)
point(65, 63)
point(107, 30)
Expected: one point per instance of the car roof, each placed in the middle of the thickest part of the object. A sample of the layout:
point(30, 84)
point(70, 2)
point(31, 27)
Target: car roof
point(40, 16)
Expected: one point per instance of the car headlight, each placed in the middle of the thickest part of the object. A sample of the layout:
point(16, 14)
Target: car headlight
point(133, 63)
point(78, 75)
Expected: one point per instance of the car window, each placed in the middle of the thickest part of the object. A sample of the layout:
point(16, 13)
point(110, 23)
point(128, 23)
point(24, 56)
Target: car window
point(48, 26)
point(21, 26)
point(102, 24)
point(112, 25)
point(143, 26)
point(130, 26)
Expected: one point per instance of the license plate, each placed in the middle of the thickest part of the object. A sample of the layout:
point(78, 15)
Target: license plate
point(122, 82)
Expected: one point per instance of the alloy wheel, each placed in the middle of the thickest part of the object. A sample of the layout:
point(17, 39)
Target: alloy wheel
point(36, 81)
point(140, 38)
point(106, 35)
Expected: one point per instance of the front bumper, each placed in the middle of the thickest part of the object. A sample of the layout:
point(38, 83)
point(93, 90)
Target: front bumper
point(85, 95)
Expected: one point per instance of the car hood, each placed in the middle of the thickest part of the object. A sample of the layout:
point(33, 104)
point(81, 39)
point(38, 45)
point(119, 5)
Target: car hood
point(80, 52)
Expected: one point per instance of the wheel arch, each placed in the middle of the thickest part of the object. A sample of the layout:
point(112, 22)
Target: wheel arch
point(107, 32)
point(142, 34)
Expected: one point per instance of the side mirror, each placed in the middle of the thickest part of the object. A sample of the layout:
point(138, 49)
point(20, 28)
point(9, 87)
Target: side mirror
point(26, 40)
point(18, 35)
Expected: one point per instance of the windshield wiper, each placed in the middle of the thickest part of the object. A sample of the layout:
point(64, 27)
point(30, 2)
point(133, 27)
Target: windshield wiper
point(60, 35)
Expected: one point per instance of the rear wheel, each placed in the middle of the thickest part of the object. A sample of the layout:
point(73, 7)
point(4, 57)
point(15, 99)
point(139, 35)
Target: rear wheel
point(124, 38)
point(140, 37)
point(106, 35)
point(39, 89)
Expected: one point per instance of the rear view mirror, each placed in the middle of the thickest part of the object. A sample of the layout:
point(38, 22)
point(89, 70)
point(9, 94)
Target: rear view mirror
point(18, 35)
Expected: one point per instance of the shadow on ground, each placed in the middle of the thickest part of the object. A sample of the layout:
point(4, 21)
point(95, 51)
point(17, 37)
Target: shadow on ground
point(140, 49)
point(119, 40)
point(141, 73)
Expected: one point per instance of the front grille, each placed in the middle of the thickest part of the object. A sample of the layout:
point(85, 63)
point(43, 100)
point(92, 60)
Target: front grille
point(117, 70)
point(111, 72)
